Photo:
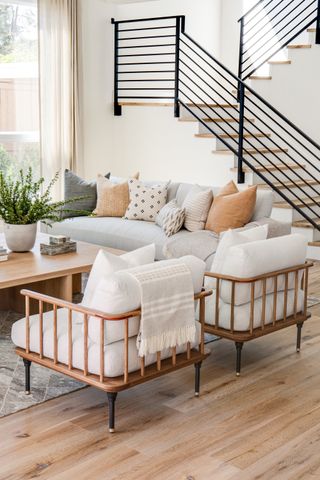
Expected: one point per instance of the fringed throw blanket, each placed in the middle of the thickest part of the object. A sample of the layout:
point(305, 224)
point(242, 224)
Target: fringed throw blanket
point(167, 308)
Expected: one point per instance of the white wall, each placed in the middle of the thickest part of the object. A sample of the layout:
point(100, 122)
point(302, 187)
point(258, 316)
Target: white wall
point(97, 91)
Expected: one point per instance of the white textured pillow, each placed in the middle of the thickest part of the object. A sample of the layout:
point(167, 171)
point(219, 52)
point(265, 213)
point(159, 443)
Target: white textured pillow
point(145, 201)
point(171, 218)
point(197, 204)
point(107, 263)
point(120, 293)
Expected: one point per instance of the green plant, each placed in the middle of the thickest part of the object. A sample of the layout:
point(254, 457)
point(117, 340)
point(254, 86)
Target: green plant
point(22, 201)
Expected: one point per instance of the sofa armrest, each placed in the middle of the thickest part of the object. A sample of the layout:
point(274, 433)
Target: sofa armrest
point(276, 228)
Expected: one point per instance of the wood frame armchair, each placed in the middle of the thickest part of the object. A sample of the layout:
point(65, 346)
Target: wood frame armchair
point(239, 337)
point(111, 385)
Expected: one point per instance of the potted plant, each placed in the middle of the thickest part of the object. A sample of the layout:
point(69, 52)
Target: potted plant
point(23, 203)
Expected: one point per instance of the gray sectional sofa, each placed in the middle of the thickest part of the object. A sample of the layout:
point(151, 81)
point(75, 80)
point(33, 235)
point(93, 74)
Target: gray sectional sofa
point(131, 234)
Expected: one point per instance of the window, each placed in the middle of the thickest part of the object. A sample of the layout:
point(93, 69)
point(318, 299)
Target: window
point(19, 86)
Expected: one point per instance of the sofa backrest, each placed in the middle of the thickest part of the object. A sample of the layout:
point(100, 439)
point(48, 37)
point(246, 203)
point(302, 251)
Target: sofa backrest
point(180, 191)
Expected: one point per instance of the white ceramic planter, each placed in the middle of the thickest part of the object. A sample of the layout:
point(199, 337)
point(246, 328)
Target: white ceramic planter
point(20, 238)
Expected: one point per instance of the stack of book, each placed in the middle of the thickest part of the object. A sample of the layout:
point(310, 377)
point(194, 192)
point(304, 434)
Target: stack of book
point(3, 254)
point(58, 244)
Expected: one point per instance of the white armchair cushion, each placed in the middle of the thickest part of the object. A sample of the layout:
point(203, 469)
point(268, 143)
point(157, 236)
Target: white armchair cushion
point(120, 293)
point(257, 258)
point(107, 263)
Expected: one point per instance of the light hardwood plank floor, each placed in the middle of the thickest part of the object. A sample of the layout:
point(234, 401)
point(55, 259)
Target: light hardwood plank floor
point(263, 425)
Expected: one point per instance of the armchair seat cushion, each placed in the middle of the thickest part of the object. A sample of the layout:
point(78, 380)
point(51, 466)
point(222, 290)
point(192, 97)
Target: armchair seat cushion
point(242, 312)
point(113, 355)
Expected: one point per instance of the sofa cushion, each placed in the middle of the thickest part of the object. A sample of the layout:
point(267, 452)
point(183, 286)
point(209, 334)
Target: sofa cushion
point(145, 202)
point(196, 205)
point(75, 186)
point(171, 218)
point(113, 353)
point(201, 244)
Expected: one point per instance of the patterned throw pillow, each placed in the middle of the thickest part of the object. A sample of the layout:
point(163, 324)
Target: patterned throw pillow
point(145, 201)
point(197, 204)
point(171, 218)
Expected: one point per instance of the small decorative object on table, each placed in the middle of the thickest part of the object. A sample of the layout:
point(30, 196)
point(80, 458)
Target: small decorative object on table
point(58, 245)
point(3, 254)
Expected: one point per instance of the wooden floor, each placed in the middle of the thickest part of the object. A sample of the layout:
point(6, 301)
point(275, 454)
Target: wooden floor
point(263, 425)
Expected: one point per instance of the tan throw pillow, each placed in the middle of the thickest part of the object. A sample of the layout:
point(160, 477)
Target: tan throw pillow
point(112, 199)
point(231, 210)
point(196, 206)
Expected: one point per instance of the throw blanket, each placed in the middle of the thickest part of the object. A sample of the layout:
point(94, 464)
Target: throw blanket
point(167, 308)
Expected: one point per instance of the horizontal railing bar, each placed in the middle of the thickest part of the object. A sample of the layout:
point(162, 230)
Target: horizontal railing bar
point(274, 52)
point(269, 21)
point(146, 63)
point(253, 8)
point(147, 36)
point(272, 27)
point(145, 28)
point(210, 86)
point(148, 80)
point(144, 88)
point(146, 97)
point(278, 41)
point(148, 19)
point(217, 71)
point(283, 117)
point(146, 54)
point(147, 71)
point(148, 46)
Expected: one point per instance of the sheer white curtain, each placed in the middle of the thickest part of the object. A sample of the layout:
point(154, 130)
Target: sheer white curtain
point(59, 88)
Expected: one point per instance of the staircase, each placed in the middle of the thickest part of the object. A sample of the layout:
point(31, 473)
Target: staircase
point(158, 64)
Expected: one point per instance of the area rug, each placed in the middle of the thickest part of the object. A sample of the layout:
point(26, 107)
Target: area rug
point(45, 384)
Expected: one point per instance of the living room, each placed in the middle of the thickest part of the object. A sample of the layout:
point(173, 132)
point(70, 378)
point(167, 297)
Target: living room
point(160, 239)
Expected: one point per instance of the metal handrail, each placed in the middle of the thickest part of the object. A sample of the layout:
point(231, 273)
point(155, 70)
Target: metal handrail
point(301, 21)
point(199, 78)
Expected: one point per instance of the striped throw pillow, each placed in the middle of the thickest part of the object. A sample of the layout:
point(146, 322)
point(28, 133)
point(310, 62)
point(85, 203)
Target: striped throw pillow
point(197, 204)
point(171, 218)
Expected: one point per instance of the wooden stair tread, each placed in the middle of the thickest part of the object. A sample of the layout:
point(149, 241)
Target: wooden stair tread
point(305, 223)
point(298, 203)
point(213, 105)
point(146, 104)
point(279, 62)
point(260, 77)
point(213, 120)
point(292, 47)
point(256, 150)
point(311, 30)
point(282, 185)
point(259, 168)
point(232, 135)
point(314, 244)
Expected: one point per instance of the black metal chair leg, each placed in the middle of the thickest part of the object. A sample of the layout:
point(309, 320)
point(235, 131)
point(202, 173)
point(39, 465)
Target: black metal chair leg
point(299, 328)
point(239, 346)
point(197, 367)
point(27, 365)
point(111, 401)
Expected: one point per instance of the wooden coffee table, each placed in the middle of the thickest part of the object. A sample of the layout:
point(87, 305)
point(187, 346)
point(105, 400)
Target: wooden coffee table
point(58, 276)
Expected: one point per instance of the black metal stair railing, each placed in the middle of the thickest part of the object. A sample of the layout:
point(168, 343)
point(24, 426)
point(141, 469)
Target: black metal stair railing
point(271, 25)
point(262, 139)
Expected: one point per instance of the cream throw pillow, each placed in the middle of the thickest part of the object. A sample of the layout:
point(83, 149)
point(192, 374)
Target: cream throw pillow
point(112, 199)
point(231, 209)
point(196, 206)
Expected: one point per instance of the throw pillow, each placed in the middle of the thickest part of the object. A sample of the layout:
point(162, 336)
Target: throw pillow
point(145, 201)
point(196, 205)
point(171, 218)
point(113, 199)
point(75, 186)
point(231, 210)
point(107, 263)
